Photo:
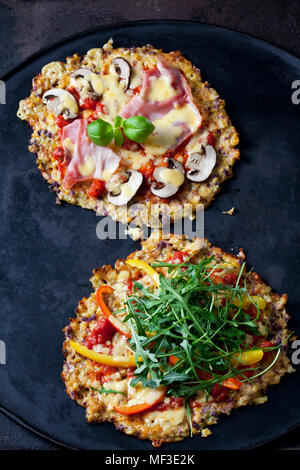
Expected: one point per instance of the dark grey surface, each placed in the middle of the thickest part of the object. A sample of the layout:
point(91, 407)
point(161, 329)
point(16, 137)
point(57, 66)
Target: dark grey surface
point(275, 21)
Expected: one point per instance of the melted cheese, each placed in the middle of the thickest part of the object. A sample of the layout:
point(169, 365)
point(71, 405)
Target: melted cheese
point(161, 89)
point(88, 167)
point(53, 70)
point(139, 394)
point(171, 176)
point(169, 128)
point(114, 97)
point(84, 84)
point(167, 419)
point(68, 144)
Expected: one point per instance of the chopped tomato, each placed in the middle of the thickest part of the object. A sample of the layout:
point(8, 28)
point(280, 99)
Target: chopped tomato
point(176, 402)
point(263, 343)
point(210, 139)
point(218, 392)
point(100, 333)
point(96, 188)
point(232, 383)
point(100, 108)
point(59, 154)
point(147, 169)
point(230, 278)
point(163, 406)
point(136, 90)
point(61, 122)
point(216, 279)
point(89, 103)
point(178, 257)
point(252, 311)
point(129, 286)
point(104, 372)
point(130, 145)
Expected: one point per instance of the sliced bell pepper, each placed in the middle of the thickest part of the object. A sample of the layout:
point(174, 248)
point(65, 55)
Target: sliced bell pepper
point(173, 360)
point(232, 383)
point(138, 263)
point(130, 410)
point(139, 407)
point(247, 357)
point(252, 300)
point(118, 324)
point(115, 361)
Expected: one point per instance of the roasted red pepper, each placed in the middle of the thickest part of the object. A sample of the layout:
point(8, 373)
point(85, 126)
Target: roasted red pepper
point(230, 278)
point(100, 333)
point(218, 392)
point(89, 103)
point(61, 122)
point(97, 187)
point(210, 139)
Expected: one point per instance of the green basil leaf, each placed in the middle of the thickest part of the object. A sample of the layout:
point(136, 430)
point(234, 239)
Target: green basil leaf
point(137, 128)
point(100, 132)
point(118, 121)
point(119, 139)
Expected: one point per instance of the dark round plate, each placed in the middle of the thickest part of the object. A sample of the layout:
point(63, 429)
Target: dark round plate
point(49, 251)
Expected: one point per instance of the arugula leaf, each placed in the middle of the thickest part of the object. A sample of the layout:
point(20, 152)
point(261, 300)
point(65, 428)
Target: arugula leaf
point(107, 391)
point(185, 319)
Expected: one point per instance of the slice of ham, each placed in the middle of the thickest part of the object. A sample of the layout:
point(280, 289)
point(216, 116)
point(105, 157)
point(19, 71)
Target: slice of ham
point(155, 110)
point(78, 146)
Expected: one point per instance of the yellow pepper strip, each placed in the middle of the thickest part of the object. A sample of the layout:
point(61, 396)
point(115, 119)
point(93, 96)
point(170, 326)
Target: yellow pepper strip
point(246, 302)
point(138, 263)
point(247, 357)
point(115, 361)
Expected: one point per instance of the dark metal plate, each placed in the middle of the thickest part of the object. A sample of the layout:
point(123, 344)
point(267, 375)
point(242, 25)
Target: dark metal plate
point(49, 251)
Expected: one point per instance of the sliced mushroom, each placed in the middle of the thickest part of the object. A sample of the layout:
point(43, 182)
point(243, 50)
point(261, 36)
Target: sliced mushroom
point(90, 81)
point(170, 178)
point(126, 190)
point(123, 69)
point(201, 164)
point(60, 101)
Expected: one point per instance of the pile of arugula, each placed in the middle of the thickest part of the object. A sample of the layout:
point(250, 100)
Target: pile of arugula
point(185, 320)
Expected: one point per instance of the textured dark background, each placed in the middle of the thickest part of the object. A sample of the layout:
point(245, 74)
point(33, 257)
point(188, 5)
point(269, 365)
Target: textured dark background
point(27, 26)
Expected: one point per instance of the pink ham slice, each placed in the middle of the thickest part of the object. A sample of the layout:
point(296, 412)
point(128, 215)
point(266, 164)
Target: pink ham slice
point(152, 110)
point(104, 158)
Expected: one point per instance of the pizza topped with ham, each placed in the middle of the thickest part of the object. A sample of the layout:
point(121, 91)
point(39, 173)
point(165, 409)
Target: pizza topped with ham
point(125, 126)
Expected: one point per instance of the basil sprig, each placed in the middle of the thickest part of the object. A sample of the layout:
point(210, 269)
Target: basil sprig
point(136, 128)
point(100, 132)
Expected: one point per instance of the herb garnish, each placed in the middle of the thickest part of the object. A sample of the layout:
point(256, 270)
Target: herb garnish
point(136, 128)
point(107, 391)
point(186, 319)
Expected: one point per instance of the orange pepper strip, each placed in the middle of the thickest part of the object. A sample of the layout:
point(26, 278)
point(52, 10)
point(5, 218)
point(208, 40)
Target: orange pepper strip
point(173, 360)
point(118, 324)
point(216, 279)
point(232, 383)
point(130, 410)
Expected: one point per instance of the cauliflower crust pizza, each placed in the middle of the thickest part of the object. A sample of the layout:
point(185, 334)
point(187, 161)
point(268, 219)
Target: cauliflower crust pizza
point(172, 337)
point(122, 126)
